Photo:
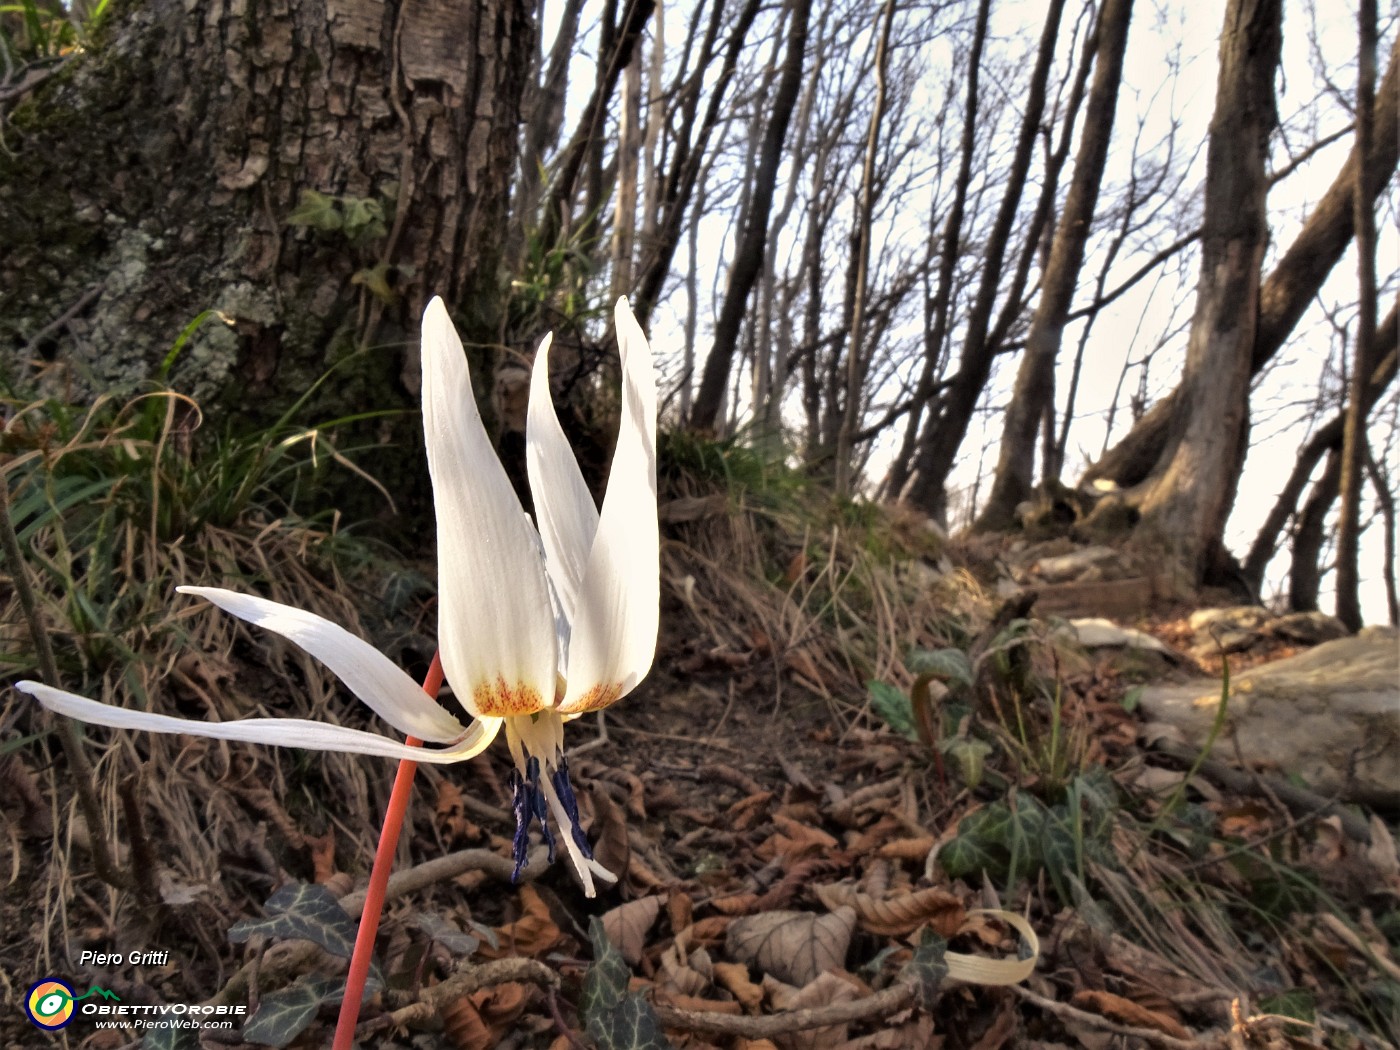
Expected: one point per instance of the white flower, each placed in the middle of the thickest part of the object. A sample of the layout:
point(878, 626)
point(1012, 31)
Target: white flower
point(534, 627)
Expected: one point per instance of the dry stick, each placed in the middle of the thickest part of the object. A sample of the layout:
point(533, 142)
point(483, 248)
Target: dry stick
point(294, 957)
point(379, 881)
point(1301, 802)
point(1065, 1012)
point(78, 764)
point(431, 1000)
point(883, 1003)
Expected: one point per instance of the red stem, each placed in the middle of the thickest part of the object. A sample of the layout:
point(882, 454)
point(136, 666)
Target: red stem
point(379, 882)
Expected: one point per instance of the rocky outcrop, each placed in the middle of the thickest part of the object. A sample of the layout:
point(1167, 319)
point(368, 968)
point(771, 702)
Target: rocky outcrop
point(1330, 715)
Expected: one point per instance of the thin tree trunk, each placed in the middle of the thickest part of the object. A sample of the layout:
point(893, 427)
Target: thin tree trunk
point(1327, 438)
point(947, 423)
point(748, 256)
point(1310, 536)
point(1354, 452)
point(855, 369)
point(940, 305)
point(1034, 389)
point(1288, 290)
point(1185, 506)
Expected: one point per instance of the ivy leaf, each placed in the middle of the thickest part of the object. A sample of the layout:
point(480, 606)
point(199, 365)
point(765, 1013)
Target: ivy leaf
point(306, 912)
point(893, 707)
point(967, 855)
point(927, 968)
point(614, 1018)
point(951, 665)
point(317, 211)
point(630, 1025)
point(970, 756)
point(284, 1014)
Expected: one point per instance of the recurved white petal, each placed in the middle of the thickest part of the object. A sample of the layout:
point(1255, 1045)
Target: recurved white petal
point(564, 507)
point(284, 732)
point(615, 618)
point(366, 672)
point(495, 623)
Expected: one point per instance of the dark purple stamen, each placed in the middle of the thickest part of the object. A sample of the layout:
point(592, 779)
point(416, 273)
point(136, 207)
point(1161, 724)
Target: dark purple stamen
point(565, 791)
point(521, 806)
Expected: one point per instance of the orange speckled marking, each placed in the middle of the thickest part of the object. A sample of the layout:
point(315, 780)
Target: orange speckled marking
point(500, 699)
point(597, 698)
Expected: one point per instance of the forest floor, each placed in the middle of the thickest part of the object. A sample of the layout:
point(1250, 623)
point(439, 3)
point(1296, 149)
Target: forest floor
point(794, 858)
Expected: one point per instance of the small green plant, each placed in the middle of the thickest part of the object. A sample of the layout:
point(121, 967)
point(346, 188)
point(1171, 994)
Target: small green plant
point(33, 32)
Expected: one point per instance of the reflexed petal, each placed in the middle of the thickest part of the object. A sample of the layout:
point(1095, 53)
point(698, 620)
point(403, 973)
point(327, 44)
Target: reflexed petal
point(615, 619)
point(366, 672)
point(495, 623)
point(284, 732)
point(564, 507)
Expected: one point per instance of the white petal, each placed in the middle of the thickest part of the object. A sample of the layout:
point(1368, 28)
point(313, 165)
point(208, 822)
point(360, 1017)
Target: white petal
point(495, 624)
point(564, 507)
point(366, 672)
point(613, 639)
point(284, 732)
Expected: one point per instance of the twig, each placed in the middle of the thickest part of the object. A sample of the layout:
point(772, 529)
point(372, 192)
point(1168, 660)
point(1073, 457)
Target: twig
point(143, 858)
point(1072, 1013)
point(883, 1003)
point(432, 999)
point(62, 319)
point(81, 769)
point(439, 869)
point(1300, 801)
point(294, 957)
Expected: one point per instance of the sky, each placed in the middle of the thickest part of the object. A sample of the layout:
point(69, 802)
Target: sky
point(1131, 332)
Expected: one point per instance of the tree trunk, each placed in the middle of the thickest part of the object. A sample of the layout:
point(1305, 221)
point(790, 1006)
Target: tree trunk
point(1034, 389)
point(947, 422)
point(156, 178)
point(1288, 290)
point(1380, 371)
point(1354, 449)
point(748, 256)
point(1186, 502)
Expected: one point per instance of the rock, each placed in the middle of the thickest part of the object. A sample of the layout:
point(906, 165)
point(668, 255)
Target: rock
point(1076, 564)
point(1330, 715)
point(1098, 633)
point(1307, 628)
point(1233, 617)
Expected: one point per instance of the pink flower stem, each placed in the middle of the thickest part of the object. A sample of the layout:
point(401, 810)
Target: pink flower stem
point(379, 882)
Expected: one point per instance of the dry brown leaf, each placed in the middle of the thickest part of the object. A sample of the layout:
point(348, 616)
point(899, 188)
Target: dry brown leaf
point(907, 849)
point(709, 930)
point(917, 1031)
point(322, 849)
point(826, 989)
point(680, 910)
point(697, 1003)
point(531, 935)
point(463, 1025)
point(1125, 1011)
point(734, 978)
point(686, 973)
point(735, 903)
point(794, 840)
point(793, 946)
point(450, 814)
point(626, 926)
point(1001, 1030)
point(610, 846)
point(898, 915)
point(747, 812)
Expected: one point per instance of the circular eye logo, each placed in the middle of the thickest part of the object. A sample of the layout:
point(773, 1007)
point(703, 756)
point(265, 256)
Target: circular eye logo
point(50, 1004)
